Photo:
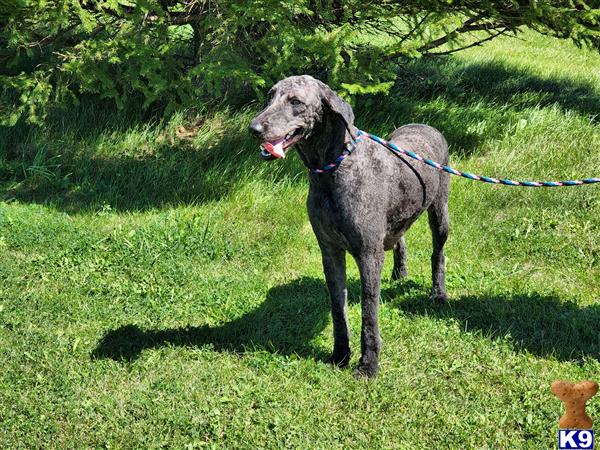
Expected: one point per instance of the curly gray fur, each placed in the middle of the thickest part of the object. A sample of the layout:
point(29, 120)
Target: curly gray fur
point(365, 206)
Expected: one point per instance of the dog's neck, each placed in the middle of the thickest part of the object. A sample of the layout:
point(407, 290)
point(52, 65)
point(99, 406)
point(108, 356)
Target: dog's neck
point(326, 142)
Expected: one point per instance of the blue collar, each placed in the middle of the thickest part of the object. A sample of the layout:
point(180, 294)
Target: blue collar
point(349, 148)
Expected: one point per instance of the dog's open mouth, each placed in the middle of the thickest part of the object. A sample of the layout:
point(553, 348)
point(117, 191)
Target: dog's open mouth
point(277, 148)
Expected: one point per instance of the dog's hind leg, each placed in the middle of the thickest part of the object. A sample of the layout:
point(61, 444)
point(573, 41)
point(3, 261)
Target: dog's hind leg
point(439, 224)
point(334, 266)
point(399, 271)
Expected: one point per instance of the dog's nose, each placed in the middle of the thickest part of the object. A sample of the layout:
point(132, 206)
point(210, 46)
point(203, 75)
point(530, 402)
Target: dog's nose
point(256, 128)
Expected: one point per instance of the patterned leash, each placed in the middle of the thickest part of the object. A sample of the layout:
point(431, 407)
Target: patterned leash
point(399, 152)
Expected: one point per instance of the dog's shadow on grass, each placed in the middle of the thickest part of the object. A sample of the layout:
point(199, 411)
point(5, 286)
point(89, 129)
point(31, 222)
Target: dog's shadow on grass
point(285, 323)
point(545, 326)
point(293, 314)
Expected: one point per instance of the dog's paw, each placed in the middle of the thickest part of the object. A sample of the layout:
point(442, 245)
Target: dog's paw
point(366, 371)
point(340, 359)
point(399, 274)
point(440, 298)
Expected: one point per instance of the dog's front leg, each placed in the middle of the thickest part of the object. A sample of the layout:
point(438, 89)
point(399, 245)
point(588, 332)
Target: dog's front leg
point(369, 265)
point(334, 266)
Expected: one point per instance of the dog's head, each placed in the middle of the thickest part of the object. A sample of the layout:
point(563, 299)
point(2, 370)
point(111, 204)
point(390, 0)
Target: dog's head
point(295, 106)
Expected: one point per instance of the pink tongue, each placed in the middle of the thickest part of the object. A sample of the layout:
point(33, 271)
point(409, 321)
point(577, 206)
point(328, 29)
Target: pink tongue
point(275, 148)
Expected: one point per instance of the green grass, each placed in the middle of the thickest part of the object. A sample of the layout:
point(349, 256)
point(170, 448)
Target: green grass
point(164, 291)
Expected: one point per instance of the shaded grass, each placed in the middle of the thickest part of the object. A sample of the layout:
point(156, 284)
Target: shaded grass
point(155, 165)
point(290, 316)
point(161, 287)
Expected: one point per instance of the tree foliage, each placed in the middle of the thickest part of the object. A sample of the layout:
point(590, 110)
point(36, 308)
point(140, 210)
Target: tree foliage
point(171, 52)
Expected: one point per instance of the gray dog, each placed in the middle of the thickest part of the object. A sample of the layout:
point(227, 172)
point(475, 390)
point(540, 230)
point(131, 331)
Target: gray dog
point(365, 205)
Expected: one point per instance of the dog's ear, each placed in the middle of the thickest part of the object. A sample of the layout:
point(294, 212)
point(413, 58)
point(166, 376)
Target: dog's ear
point(338, 106)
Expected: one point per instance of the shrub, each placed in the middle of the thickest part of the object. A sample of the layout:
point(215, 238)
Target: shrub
point(168, 53)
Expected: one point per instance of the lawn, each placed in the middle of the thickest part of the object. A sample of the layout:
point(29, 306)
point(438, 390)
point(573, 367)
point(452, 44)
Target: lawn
point(161, 287)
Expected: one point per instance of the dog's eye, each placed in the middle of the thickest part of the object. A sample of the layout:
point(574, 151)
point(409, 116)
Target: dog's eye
point(295, 102)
